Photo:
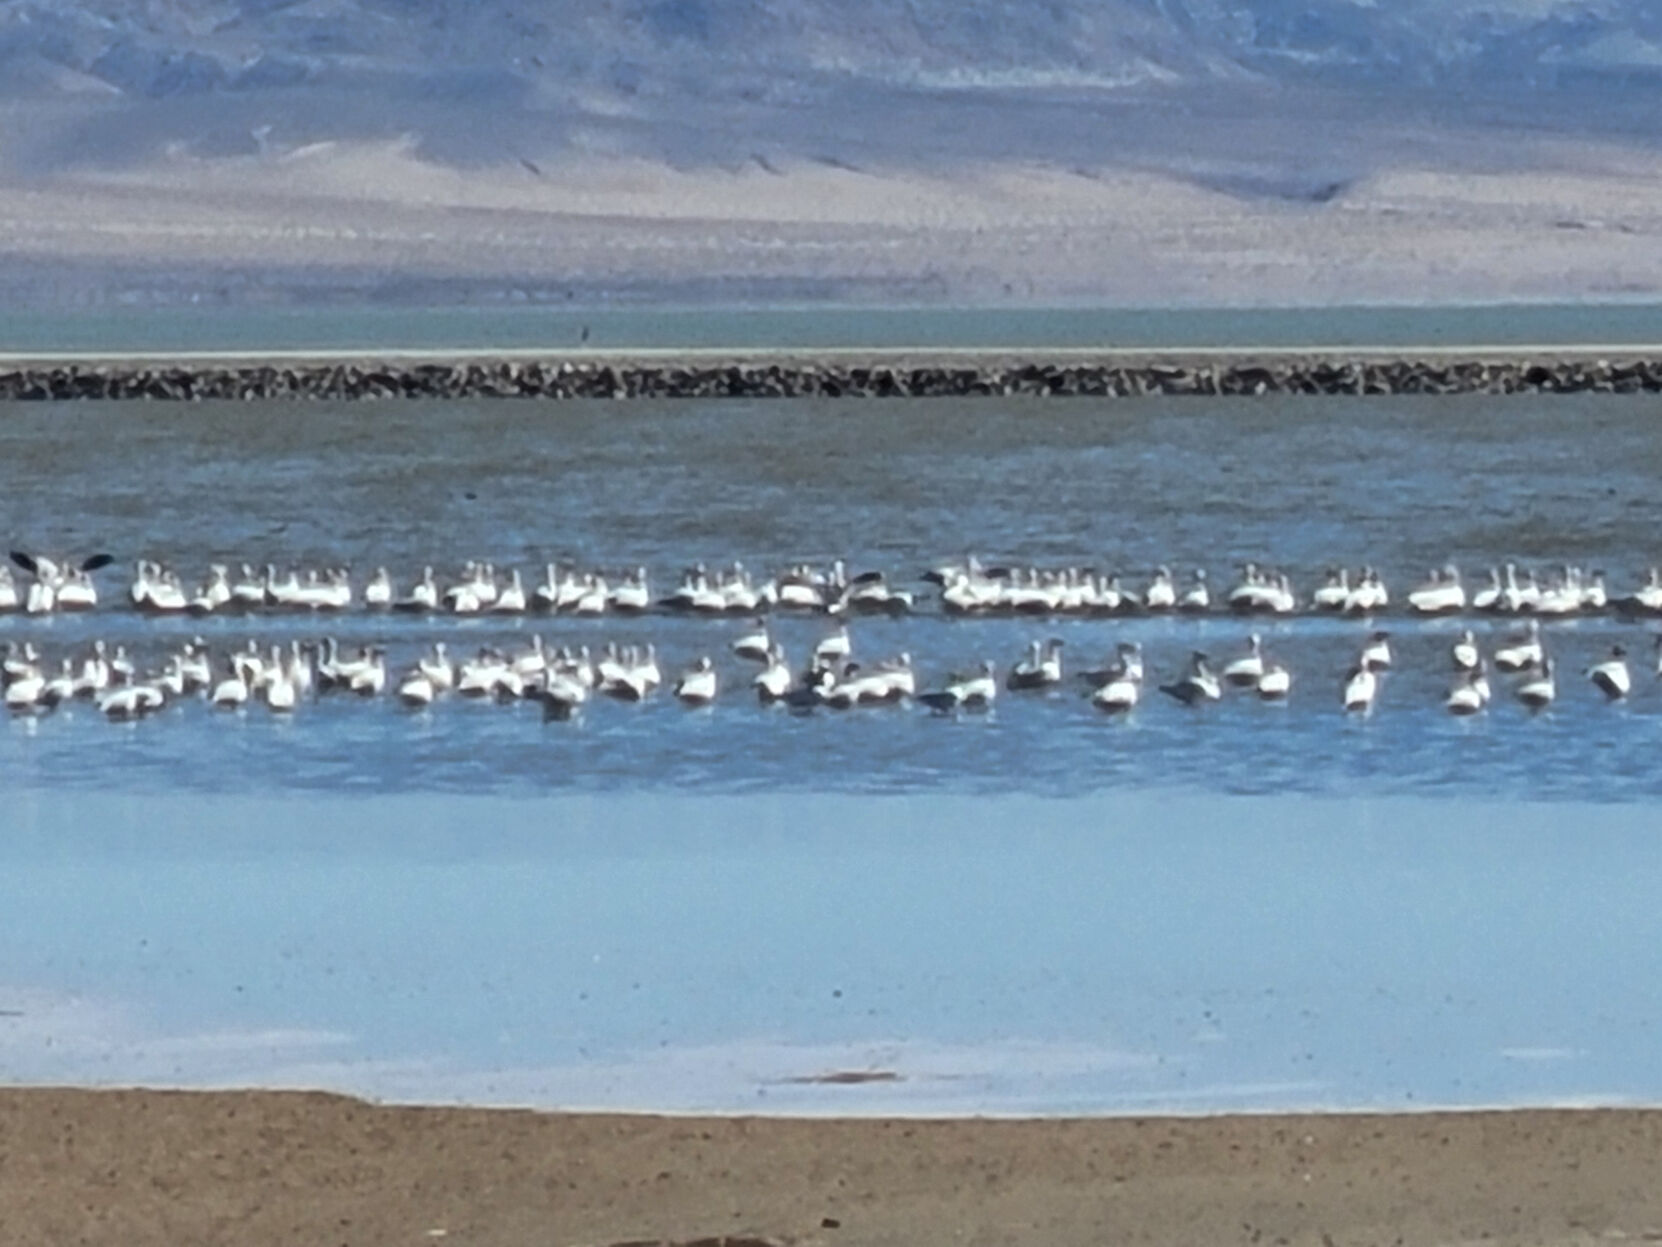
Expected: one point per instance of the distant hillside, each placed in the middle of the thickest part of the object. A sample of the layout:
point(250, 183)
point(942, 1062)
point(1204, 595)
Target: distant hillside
point(518, 49)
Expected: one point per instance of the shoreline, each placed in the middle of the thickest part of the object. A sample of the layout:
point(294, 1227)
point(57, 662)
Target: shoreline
point(896, 373)
point(155, 1167)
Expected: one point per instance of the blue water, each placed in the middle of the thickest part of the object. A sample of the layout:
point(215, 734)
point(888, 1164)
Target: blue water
point(818, 327)
point(1142, 951)
point(1040, 910)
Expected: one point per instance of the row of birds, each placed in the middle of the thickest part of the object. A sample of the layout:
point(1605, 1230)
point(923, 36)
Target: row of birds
point(966, 588)
point(282, 675)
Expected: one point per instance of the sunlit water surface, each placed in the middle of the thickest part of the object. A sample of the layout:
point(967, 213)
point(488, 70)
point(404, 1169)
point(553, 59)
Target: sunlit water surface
point(1039, 909)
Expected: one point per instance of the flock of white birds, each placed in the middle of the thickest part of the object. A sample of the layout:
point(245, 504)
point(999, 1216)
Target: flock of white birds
point(966, 587)
point(284, 675)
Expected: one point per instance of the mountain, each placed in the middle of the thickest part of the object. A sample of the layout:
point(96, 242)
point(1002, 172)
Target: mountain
point(1124, 149)
point(515, 50)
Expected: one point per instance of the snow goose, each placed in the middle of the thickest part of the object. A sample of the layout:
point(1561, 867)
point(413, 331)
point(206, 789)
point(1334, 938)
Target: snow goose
point(1368, 595)
point(61, 687)
point(1464, 654)
point(511, 600)
point(1521, 652)
point(1468, 695)
point(1257, 592)
point(1334, 592)
point(423, 595)
point(774, 680)
point(279, 693)
point(1041, 668)
point(1441, 594)
point(1612, 676)
point(965, 692)
point(1540, 688)
point(1196, 599)
point(210, 595)
point(1160, 595)
point(1249, 668)
point(1361, 686)
point(593, 599)
point(378, 592)
point(1488, 598)
point(483, 674)
point(634, 594)
point(21, 659)
point(436, 666)
point(131, 700)
point(1376, 652)
point(415, 689)
point(560, 694)
point(1198, 685)
point(834, 647)
point(697, 685)
point(248, 591)
point(25, 690)
point(756, 644)
point(231, 693)
point(1275, 683)
point(370, 677)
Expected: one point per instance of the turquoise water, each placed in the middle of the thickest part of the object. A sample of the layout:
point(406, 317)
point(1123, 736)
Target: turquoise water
point(816, 327)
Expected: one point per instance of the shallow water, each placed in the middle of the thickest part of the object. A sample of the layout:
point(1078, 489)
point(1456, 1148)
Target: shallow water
point(1403, 484)
point(1258, 906)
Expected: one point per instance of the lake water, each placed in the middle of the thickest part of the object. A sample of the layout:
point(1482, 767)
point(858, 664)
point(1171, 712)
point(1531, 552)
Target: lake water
point(821, 327)
point(1039, 909)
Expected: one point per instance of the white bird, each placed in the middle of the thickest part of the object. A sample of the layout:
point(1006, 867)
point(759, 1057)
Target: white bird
point(1441, 594)
point(1537, 692)
point(634, 595)
point(1361, 686)
point(1612, 676)
point(511, 599)
point(1041, 668)
point(132, 701)
point(378, 592)
point(1249, 668)
point(1521, 652)
point(1465, 653)
point(1275, 683)
point(279, 692)
point(1161, 594)
point(774, 680)
point(232, 691)
point(436, 667)
point(1469, 694)
point(756, 644)
point(560, 694)
point(423, 595)
point(966, 692)
point(1122, 691)
point(1199, 683)
point(1197, 598)
point(833, 648)
point(697, 685)
point(25, 690)
point(371, 676)
point(1376, 654)
point(415, 689)
point(1334, 592)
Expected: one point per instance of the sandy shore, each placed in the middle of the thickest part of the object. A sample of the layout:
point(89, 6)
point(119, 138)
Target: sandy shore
point(140, 1168)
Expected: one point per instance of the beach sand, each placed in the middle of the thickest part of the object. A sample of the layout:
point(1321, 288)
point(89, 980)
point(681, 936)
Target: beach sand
point(146, 1167)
